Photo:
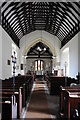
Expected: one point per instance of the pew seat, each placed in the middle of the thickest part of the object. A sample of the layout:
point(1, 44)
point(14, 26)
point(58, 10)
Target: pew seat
point(64, 95)
point(8, 108)
point(23, 86)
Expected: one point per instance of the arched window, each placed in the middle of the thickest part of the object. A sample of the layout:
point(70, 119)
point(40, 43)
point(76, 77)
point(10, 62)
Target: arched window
point(39, 65)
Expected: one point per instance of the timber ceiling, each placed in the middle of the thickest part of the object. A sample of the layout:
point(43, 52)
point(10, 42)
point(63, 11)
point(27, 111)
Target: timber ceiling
point(39, 50)
point(61, 19)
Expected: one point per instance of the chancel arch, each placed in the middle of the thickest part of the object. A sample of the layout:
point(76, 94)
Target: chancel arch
point(31, 53)
point(28, 46)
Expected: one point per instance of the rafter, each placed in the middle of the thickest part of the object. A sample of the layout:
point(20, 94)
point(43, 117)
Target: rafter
point(58, 18)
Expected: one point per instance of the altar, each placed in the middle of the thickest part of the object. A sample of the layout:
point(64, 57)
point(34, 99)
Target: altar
point(39, 74)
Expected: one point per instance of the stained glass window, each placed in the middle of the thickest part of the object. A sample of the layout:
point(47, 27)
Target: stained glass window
point(38, 65)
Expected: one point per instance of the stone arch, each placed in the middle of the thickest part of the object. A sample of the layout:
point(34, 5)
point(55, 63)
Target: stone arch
point(44, 41)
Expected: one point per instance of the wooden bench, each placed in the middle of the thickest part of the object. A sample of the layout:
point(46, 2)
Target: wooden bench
point(8, 108)
point(55, 82)
point(17, 97)
point(19, 81)
point(23, 86)
point(63, 97)
point(72, 101)
point(9, 85)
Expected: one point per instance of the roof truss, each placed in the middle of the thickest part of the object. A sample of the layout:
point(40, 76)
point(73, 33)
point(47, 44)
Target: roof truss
point(58, 18)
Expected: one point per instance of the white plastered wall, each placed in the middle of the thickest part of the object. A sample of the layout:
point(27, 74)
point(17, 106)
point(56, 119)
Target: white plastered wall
point(6, 55)
point(34, 37)
point(0, 52)
point(73, 56)
point(79, 52)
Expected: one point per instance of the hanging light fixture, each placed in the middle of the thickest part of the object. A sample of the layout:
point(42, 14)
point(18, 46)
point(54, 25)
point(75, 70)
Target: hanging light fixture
point(38, 48)
point(44, 48)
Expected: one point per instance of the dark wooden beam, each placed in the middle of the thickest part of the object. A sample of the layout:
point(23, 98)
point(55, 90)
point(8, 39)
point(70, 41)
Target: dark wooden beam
point(55, 18)
point(3, 4)
point(69, 37)
point(71, 6)
point(39, 57)
point(71, 12)
point(66, 14)
point(10, 31)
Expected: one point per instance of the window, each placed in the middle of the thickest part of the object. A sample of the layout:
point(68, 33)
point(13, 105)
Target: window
point(35, 65)
point(39, 65)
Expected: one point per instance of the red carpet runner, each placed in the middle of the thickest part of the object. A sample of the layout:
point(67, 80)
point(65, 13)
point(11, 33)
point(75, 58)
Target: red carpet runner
point(38, 106)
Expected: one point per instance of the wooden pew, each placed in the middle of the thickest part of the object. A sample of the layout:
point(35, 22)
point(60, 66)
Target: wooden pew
point(63, 97)
point(57, 81)
point(22, 84)
point(28, 82)
point(47, 81)
point(18, 97)
point(72, 101)
point(22, 80)
point(72, 80)
point(6, 103)
point(9, 85)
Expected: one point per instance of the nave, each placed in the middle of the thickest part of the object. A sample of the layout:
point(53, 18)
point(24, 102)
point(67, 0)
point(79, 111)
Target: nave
point(39, 99)
point(42, 106)
point(32, 100)
point(40, 39)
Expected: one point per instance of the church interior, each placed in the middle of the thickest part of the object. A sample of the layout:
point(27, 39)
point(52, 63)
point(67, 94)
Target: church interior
point(40, 60)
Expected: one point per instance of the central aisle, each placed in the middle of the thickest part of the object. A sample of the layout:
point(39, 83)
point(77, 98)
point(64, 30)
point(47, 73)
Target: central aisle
point(38, 106)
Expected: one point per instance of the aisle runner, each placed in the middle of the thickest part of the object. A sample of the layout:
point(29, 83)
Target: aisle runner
point(38, 106)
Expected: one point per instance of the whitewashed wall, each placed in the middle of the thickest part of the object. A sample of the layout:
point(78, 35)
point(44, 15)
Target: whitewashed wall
point(0, 52)
point(65, 61)
point(6, 51)
point(79, 52)
point(32, 38)
point(18, 61)
point(6, 55)
point(73, 56)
